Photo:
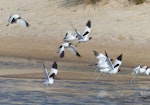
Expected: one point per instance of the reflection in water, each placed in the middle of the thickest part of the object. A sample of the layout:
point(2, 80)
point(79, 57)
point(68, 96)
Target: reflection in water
point(31, 91)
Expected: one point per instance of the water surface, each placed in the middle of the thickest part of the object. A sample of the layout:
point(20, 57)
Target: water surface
point(69, 92)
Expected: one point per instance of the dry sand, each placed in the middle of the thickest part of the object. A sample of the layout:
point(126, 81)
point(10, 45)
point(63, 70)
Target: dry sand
point(117, 27)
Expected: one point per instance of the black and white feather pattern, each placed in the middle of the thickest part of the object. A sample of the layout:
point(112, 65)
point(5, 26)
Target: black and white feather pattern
point(70, 36)
point(70, 47)
point(49, 77)
point(114, 67)
point(85, 36)
point(17, 19)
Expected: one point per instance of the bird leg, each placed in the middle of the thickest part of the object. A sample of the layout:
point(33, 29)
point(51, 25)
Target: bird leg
point(94, 71)
point(97, 77)
point(133, 78)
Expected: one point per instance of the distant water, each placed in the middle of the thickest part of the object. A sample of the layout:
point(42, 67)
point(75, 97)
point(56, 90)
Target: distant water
point(63, 92)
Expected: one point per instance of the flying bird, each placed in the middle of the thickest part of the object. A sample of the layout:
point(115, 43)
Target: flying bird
point(49, 77)
point(102, 62)
point(17, 19)
point(114, 67)
point(85, 36)
point(70, 36)
point(106, 65)
point(147, 72)
point(70, 47)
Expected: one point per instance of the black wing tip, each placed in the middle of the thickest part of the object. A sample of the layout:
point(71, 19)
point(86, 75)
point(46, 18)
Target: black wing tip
point(88, 23)
point(54, 65)
point(120, 57)
point(78, 54)
point(60, 46)
point(106, 54)
point(62, 54)
point(95, 53)
point(27, 24)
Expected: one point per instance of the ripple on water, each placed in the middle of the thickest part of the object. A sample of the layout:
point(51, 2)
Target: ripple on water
point(27, 92)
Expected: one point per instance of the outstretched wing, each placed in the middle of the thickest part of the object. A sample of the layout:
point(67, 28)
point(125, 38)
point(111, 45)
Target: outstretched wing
point(68, 34)
point(22, 22)
point(79, 36)
point(87, 29)
point(99, 56)
point(108, 60)
point(73, 50)
point(61, 51)
point(45, 72)
point(54, 70)
point(118, 61)
point(54, 65)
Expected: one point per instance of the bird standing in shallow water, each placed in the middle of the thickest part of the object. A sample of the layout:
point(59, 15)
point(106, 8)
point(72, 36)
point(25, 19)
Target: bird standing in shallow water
point(140, 70)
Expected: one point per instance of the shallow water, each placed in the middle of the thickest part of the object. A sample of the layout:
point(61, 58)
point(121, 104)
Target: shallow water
point(64, 92)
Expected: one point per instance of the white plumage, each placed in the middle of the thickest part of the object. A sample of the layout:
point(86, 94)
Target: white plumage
point(113, 68)
point(70, 47)
point(70, 36)
point(85, 36)
point(105, 64)
point(17, 19)
point(140, 70)
point(49, 77)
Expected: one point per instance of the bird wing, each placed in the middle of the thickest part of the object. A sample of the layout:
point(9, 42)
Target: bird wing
point(61, 51)
point(87, 29)
point(15, 16)
point(73, 50)
point(108, 60)
point(68, 34)
point(99, 56)
point(22, 22)
point(96, 53)
point(79, 36)
point(118, 61)
point(54, 65)
point(54, 70)
point(45, 72)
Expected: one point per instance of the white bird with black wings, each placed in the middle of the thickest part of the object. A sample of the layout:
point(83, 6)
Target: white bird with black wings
point(17, 19)
point(49, 77)
point(85, 36)
point(113, 67)
point(105, 64)
point(70, 47)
